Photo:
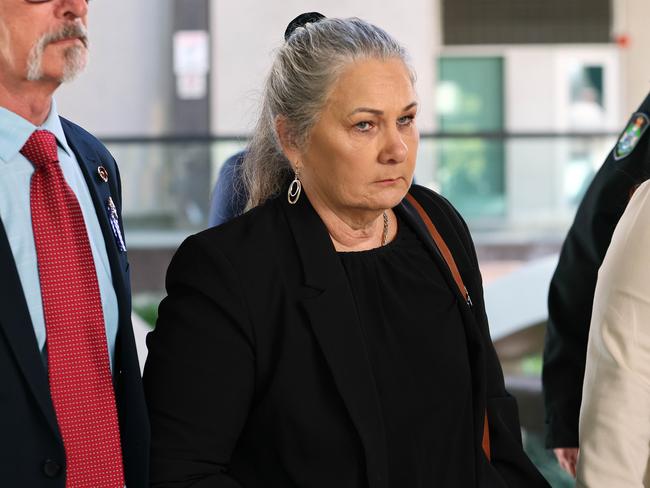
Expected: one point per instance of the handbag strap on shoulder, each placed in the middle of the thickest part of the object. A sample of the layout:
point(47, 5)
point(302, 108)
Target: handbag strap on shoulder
point(451, 264)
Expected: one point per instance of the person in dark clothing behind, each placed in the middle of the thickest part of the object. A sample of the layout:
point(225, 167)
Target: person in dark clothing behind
point(571, 291)
point(229, 195)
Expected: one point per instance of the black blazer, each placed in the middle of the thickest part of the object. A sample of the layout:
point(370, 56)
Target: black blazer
point(257, 374)
point(31, 449)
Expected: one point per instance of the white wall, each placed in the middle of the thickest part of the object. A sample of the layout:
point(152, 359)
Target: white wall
point(246, 32)
point(537, 88)
point(126, 88)
point(631, 17)
point(540, 173)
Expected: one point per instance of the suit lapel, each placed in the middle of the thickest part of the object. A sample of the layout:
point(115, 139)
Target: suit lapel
point(475, 348)
point(100, 191)
point(16, 323)
point(330, 307)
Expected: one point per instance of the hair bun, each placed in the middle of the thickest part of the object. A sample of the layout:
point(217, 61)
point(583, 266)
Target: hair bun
point(300, 21)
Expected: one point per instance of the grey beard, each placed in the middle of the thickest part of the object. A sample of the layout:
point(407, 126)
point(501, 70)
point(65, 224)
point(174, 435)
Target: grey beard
point(75, 56)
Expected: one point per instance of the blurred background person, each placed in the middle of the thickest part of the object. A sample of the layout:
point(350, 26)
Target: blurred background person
point(309, 341)
point(614, 423)
point(571, 291)
point(229, 193)
point(585, 112)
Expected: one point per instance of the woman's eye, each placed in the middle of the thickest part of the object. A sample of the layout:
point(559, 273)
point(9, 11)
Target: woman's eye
point(363, 126)
point(406, 120)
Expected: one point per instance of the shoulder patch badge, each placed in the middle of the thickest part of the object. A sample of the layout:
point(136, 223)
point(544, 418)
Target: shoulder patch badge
point(631, 135)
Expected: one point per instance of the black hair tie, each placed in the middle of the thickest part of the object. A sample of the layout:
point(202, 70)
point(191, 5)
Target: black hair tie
point(300, 21)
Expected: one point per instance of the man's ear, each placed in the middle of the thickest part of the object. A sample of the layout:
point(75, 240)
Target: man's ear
point(287, 140)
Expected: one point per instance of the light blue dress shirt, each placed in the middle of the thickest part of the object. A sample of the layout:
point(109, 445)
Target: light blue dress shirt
point(15, 214)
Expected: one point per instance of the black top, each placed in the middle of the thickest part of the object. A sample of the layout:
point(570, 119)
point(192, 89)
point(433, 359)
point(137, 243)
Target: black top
point(416, 344)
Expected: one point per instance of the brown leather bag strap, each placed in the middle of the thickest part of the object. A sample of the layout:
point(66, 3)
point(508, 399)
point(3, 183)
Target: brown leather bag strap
point(486, 437)
point(451, 264)
point(442, 247)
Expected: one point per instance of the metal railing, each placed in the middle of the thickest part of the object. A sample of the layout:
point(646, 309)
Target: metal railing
point(508, 186)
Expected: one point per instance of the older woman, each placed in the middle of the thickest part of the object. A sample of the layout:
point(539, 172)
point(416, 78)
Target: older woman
point(320, 340)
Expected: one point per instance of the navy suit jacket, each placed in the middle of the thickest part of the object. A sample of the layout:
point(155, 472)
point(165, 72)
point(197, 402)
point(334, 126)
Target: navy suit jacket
point(31, 449)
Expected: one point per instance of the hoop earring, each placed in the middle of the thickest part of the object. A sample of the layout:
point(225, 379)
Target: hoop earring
point(295, 188)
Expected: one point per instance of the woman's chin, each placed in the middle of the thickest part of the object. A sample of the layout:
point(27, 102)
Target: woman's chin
point(394, 196)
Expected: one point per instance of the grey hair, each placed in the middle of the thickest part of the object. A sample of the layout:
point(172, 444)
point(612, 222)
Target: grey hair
point(302, 76)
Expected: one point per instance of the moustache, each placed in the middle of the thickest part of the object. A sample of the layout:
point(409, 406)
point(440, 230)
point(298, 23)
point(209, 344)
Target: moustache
point(69, 31)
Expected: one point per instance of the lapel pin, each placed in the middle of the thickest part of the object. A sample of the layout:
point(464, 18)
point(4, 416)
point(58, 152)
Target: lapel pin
point(103, 174)
point(115, 224)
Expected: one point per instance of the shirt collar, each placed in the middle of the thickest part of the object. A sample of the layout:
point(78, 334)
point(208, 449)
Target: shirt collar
point(15, 130)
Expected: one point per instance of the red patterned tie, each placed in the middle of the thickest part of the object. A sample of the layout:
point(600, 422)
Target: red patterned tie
point(79, 370)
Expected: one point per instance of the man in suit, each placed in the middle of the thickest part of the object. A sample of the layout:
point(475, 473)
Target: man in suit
point(572, 288)
point(72, 410)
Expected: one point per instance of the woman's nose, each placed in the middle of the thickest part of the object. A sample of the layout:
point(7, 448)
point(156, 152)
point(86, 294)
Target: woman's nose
point(394, 149)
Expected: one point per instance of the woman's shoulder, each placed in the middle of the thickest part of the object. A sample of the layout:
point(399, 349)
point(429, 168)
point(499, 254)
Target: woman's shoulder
point(439, 209)
point(448, 222)
point(242, 241)
point(248, 227)
point(433, 201)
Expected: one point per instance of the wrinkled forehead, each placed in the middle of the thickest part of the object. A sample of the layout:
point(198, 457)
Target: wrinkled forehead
point(374, 82)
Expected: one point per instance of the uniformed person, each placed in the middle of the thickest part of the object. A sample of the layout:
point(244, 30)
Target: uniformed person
point(572, 287)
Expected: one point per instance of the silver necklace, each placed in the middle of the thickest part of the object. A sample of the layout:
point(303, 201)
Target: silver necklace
point(384, 235)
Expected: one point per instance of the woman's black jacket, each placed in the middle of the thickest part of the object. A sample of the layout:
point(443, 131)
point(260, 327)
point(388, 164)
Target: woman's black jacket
point(257, 375)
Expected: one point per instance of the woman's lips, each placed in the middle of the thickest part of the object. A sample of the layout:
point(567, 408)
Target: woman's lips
point(388, 181)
